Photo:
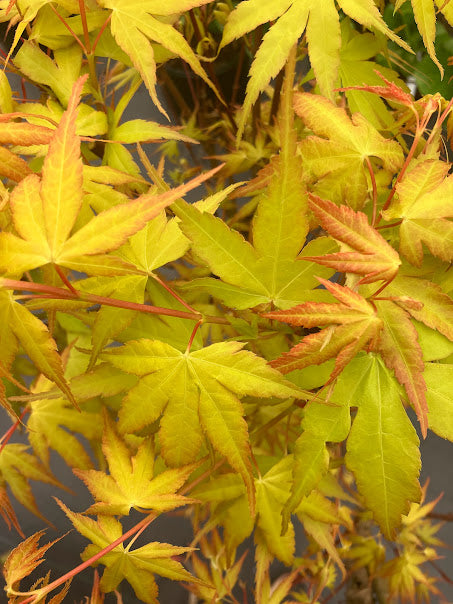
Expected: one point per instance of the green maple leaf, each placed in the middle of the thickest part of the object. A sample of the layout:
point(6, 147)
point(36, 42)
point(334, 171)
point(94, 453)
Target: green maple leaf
point(382, 448)
point(131, 482)
point(424, 204)
point(265, 271)
point(196, 392)
point(356, 67)
point(425, 18)
point(49, 423)
point(292, 17)
point(321, 424)
point(438, 377)
point(334, 157)
point(137, 566)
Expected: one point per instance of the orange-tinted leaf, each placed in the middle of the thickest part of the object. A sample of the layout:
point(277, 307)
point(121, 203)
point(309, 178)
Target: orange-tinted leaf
point(437, 307)
point(7, 512)
point(424, 202)
point(24, 134)
point(353, 324)
point(373, 256)
point(390, 91)
point(109, 230)
point(23, 560)
point(61, 188)
point(335, 159)
point(16, 468)
point(401, 352)
point(12, 166)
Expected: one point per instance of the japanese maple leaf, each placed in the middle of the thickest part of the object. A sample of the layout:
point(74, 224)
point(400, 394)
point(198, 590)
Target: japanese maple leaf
point(425, 17)
point(265, 271)
point(137, 566)
point(196, 392)
point(336, 155)
point(23, 560)
point(17, 467)
point(20, 326)
point(357, 68)
point(351, 326)
point(131, 482)
point(399, 347)
point(45, 211)
point(372, 257)
point(424, 202)
point(291, 18)
point(135, 24)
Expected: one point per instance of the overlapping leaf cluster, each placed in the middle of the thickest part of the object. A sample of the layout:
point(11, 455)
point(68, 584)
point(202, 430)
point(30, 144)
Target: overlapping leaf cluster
point(249, 359)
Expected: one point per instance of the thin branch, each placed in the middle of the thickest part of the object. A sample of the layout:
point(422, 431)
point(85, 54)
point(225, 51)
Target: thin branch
point(69, 28)
point(192, 337)
point(64, 279)
point(59, 293)
point(174, 294)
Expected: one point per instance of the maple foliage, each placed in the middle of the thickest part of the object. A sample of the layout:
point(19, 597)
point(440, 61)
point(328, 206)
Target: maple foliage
point(246, 357)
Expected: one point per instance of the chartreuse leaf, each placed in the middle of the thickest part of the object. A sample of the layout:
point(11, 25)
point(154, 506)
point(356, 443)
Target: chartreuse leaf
point(16, 468)
point(423, 203)
point(49, 31)
point(356, 68)
point(36, 341)
point(336, 155)
point(371, 257)
point(111, 321)
point(196, 391)
point(280, 224)
point(228, 494)
point(225, 251)
point(271, 493)
point(319, 517)
point(425, 17)
point(137, 566)
point(291, 17)
point(131, 482)
point(382, 448)
point(40, 68)
point(136, 131)
point(249, 279)
point(49, 425)
point(322, 423)
point(159, 242)
point(133, 26)
point(438, 377)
